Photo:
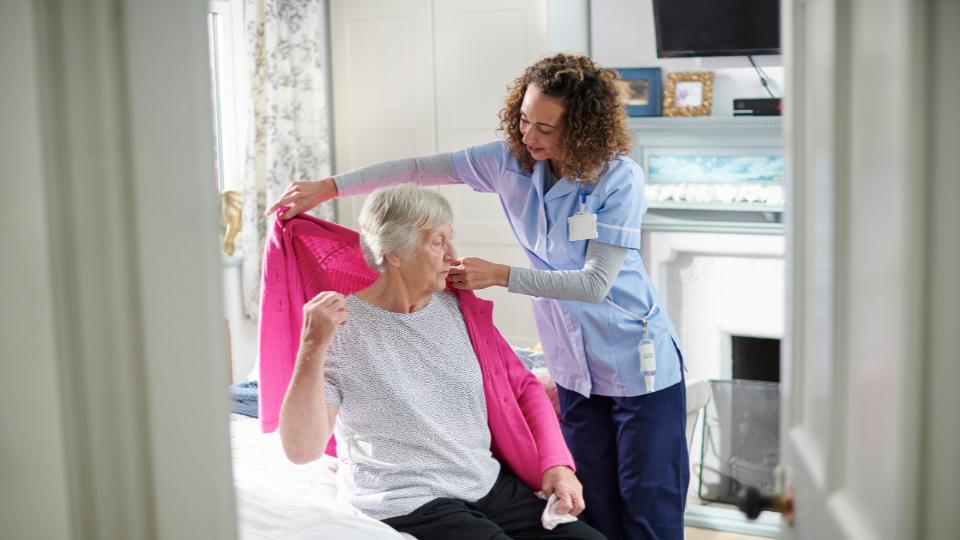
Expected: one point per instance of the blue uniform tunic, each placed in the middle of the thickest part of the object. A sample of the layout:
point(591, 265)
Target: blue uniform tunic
point(590, 348)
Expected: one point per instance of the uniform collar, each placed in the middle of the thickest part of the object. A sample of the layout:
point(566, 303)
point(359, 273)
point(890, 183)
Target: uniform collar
point(561, 189)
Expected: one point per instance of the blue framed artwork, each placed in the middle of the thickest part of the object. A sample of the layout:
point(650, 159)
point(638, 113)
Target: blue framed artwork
point(641, 90)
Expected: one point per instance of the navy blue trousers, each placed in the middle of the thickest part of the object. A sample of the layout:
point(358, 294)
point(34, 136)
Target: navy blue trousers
point(631, 456)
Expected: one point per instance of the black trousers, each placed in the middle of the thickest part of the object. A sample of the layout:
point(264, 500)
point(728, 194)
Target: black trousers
point(510, 510)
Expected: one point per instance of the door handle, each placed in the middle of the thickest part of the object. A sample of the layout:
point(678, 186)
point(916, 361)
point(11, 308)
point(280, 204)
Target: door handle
point(751, 502)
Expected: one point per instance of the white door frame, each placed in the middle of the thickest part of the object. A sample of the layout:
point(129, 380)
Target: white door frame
point(940, 445)
point(112, 315)
point(120, 328)
point(871, 133)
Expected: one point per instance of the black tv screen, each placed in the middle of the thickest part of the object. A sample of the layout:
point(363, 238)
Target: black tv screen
point(716, 27)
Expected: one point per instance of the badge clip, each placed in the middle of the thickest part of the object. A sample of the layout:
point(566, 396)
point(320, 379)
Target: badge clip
point(582, 226)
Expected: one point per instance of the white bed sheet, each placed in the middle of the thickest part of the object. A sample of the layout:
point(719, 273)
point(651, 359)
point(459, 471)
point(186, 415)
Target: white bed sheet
point(279, 500)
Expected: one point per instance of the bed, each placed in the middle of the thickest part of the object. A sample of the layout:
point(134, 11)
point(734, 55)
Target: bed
point(278, 500)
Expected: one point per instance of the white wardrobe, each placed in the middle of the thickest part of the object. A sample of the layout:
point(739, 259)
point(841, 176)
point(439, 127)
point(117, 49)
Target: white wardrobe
point(418, 77)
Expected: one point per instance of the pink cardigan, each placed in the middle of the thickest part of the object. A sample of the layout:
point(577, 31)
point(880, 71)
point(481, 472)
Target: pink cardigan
point(305, 256)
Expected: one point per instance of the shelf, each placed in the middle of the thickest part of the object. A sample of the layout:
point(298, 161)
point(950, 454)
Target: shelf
point(724, 207)
point(684, 217)
point(231, 261)
point(654, 133)
point(708, 135)
point(704, 122)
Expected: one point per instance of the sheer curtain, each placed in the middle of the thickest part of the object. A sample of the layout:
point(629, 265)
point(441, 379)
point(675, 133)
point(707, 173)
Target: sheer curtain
point(289, 135)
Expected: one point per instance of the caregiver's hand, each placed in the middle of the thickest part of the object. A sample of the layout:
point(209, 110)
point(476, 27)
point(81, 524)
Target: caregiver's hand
point(564, 483)
point(473, 273)
point(302, 196)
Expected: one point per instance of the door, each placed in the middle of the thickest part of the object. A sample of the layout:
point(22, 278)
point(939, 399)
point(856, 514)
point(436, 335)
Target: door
point(481, 48)
point(383, 94)
point(111, 341)
point(853, 385)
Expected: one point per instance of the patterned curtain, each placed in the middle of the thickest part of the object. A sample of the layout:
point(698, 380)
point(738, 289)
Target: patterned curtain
point(289, 133)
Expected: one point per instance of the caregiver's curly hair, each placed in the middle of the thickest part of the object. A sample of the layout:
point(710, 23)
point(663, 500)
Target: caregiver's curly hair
point(594, 125)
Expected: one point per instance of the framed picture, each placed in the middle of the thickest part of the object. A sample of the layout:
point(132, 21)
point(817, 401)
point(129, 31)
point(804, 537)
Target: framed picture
point(688, 93)
point(640, 90)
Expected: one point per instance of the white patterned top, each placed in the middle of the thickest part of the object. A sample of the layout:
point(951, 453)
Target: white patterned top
point(412, 425)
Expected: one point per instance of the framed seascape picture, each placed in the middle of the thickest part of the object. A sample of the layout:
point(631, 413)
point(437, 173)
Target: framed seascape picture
point(640, 90)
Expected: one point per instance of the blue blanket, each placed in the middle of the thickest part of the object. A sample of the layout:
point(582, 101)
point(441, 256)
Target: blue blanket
point(243, 398)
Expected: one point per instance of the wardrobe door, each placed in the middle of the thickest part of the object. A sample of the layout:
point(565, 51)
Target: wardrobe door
point(481, 47)
point(383, 90)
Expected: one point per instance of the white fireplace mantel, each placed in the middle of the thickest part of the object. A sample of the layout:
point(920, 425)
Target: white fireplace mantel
point(715, 286)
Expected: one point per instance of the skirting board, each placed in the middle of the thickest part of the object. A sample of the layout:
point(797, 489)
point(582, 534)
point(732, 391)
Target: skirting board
point(722, 517)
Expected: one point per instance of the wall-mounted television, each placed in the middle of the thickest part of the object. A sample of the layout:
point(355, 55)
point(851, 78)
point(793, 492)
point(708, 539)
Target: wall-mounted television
point(716, 27)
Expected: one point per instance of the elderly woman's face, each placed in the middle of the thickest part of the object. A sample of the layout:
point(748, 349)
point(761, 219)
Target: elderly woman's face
point(429, 264)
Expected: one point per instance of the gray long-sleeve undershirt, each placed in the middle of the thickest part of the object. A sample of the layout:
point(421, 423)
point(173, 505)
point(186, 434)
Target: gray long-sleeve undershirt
point(436, 170)
point(589, 284)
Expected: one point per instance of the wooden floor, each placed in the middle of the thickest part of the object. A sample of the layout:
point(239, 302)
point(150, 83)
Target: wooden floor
point(708, 534)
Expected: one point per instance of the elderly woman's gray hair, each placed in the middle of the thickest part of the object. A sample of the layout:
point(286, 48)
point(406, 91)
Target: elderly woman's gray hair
point(392, 217)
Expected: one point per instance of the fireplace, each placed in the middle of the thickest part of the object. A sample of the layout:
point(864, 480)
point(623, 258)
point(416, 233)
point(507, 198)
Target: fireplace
point(725, 295)
point(718, 266)
point(716, 287)
point(755, 358)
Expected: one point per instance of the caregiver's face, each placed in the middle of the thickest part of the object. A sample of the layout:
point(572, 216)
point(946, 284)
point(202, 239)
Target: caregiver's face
point(541, 124)
point(429, 264)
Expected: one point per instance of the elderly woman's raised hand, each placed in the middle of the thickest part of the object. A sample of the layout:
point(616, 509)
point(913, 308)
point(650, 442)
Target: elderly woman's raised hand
point(302, 196)
point(321, 317)
point(472, 273)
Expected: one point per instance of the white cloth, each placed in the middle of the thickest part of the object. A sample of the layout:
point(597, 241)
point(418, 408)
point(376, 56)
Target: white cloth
point(550, 518)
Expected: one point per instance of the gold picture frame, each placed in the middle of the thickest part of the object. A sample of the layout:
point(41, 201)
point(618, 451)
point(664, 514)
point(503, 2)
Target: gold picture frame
point(688, 93)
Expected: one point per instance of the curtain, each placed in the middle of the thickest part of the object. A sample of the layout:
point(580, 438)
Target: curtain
point(288, 123)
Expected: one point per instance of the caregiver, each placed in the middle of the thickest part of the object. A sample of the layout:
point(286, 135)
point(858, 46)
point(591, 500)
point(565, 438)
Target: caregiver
point(574, 201)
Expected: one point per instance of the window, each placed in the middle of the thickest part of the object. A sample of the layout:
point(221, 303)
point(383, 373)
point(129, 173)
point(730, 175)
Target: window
point(227, 86)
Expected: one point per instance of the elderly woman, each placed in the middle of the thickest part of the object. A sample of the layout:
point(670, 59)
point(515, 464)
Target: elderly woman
point(396, 371)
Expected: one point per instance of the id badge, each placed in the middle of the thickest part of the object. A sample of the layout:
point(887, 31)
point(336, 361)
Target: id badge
point(582, 226)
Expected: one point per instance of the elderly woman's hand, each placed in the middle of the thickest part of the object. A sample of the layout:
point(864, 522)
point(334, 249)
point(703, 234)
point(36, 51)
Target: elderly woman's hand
point(302, 196)
point(473, 273)
point(564, 483)
point(321, 317)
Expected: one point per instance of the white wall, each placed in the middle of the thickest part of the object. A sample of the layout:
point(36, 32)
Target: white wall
point(243, 331)
point(567, 28)
point(622, 35)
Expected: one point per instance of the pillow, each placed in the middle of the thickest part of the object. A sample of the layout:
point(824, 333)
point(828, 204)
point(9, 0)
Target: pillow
point(549, 386)
point(535, 362)
point(531, 358)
